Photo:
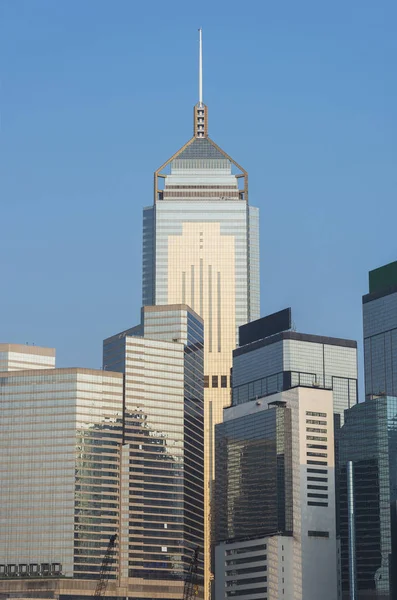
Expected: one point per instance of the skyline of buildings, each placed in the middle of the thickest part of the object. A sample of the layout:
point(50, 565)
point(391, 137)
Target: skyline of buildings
point(200, 383)
point(88, 454)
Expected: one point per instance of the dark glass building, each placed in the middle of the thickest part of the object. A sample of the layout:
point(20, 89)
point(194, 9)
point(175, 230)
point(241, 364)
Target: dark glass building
point(369, 439)
point(254, 475)
point(380, 332)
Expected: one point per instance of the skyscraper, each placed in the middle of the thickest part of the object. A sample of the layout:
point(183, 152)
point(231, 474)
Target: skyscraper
point(201, 248)
point(163, 448)
point(60, 441)
point(369, 439)
point(275, 476)
point(275, 498)
point(380, 332)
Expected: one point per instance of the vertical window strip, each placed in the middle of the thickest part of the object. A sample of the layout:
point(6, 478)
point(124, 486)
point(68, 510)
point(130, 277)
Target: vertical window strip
point(209, 330)
point(183, 287)
point(192, 288)
point(219, 311)
point(201, 286)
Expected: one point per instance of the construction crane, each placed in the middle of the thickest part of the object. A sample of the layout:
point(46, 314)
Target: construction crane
point(190, 589)
point(102, 584)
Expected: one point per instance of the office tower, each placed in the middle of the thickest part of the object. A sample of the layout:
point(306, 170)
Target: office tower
point(88, 454)
point(275, 498)
point(201, 248)
point(275, 461)
point(369, 439)
point(272, 358)
point(380, 332)
point(16, 357)
point(163, 447)
point(60, 441)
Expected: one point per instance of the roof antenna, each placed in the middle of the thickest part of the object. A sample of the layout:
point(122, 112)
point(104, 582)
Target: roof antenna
point(200, 67)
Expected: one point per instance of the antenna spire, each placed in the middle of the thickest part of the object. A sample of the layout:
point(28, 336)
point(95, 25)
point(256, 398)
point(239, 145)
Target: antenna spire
point(200, 126)
point(200, 67)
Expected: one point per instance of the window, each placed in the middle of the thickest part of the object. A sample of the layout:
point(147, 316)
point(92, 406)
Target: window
point(206, 381)
point(313, 430)
point(223, 381)
point(215, 381)
point(319, 446)
point(315, 414)
point(310, 503)
point(320, 471)
point(324, 534)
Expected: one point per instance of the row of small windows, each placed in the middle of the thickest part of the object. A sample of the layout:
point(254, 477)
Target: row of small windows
point(315, 414)
point(246, 549)
point(215, 381)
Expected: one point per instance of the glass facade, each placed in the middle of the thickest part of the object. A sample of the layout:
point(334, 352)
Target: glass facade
point(254, 475)
point(275, 485)
point(369, 439)
point(291, 359)
point(60, 437)
point(163, 442)
point(380, 342)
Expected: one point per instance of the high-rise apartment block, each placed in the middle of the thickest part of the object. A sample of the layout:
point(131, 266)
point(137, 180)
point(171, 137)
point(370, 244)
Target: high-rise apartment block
point(380, 332)
point(369, 439)
point(88, 454)
point(201, 248)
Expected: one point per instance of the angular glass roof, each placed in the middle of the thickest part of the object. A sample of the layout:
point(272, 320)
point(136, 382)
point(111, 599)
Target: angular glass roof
point(200, 148)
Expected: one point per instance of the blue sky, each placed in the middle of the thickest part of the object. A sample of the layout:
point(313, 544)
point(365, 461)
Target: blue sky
point(95, 95)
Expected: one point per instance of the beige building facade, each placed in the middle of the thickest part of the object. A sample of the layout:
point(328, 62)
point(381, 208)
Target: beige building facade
point(16, 357)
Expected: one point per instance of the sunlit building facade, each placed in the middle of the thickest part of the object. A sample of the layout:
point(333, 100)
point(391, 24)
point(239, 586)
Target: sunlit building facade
point(90, 454)
point(17, 357)
point(163, 449)
point(201, 248)
point(60, 444)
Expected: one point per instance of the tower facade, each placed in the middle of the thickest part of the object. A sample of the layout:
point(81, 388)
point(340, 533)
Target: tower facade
point(275, 498)
point(201, 248)
point(380, 332)
point(162, 451)
point(369, 439)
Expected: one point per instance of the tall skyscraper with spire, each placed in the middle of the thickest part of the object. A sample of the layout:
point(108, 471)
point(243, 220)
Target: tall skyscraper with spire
point(201, 248)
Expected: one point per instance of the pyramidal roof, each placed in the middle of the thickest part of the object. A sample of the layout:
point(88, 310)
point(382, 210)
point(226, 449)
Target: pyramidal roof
point(200, 148)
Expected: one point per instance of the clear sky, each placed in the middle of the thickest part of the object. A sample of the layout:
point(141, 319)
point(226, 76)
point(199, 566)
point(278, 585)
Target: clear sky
point(96, 94)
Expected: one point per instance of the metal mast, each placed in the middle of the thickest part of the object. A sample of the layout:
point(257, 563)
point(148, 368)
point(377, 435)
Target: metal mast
point(105, 569)
point(191, 588)
point(200, 67)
